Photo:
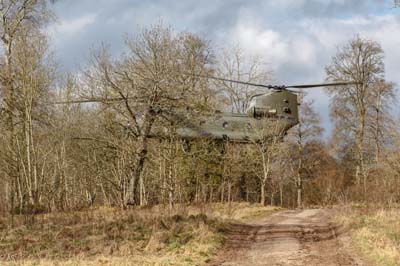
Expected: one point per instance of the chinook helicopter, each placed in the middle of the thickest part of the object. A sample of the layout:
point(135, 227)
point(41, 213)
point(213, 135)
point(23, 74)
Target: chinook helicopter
point(278, 104)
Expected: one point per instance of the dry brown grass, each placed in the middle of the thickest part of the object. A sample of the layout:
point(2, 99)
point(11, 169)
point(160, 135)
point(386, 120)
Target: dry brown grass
point(103, 236)
point(241, 212)
point(106, 236)
point(376, 233)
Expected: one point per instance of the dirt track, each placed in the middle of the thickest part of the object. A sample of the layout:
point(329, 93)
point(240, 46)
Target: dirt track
point(305, 237)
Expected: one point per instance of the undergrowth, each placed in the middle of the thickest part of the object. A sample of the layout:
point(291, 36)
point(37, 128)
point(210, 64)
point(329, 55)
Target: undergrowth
point(189, 235)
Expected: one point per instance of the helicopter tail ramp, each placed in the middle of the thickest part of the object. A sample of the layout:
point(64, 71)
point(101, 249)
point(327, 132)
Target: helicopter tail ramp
point(301, 237)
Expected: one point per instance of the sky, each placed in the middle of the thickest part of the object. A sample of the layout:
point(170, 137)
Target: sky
point(297, 38)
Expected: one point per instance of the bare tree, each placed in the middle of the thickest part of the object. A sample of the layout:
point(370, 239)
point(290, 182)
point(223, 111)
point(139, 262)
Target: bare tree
point(360, 60)
point(380, 121)
point(34, 75)
point(266, 138)
point(19, 32)
point(150, 80)
point(307, 130)
point(233, 65)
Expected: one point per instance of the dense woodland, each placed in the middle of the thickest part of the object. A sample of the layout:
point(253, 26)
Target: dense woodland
point(57, 154)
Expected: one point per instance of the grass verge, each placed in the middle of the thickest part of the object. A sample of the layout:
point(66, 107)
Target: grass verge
point(375, 233)
point(190, 235)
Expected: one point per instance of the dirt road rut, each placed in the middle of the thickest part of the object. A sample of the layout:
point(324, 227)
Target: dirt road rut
point(305, 237)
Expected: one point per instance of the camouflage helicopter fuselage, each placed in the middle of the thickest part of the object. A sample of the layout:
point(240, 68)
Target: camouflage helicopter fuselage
point(276, 109)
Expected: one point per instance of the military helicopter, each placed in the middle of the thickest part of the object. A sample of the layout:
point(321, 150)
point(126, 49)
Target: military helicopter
point(278, 106)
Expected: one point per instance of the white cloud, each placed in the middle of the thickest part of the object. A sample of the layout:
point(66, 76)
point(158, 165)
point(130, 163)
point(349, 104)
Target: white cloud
point(266, 42)
point(276, 47)
point(296, 37)
point(299, 51)
point(383, 29)
point(310, 43)
point(73, 26)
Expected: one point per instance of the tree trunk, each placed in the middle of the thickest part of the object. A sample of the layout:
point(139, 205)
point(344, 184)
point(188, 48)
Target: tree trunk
point(141, 191)
point(140, 156)
point(222, 191)
point(299, 198)
point(299, 185)
point(266, 169)
point(361, 177)
point(377, 127)
point(170, 189)
point(229, 191)
point(9, 100)
point(262, 199)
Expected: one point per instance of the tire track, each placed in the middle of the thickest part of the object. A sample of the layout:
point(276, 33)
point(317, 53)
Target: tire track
point(305, 237)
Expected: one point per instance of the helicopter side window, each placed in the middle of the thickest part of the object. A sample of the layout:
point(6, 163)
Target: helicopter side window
point(264, 112)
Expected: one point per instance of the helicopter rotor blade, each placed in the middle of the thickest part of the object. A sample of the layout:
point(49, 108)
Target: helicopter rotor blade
point(93, 100)
point(236, 81)
point(273, 87)
point(323, 85)
point(279, 87)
